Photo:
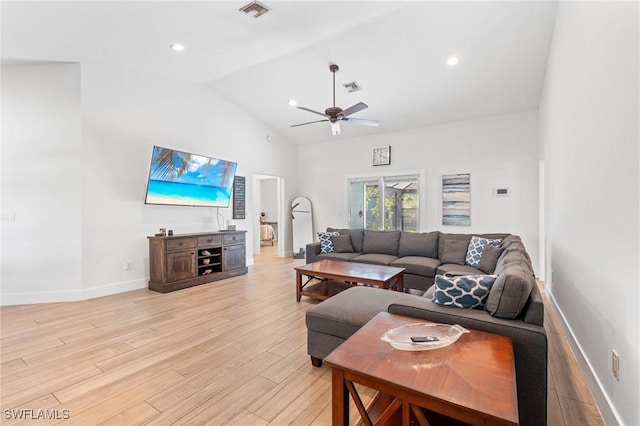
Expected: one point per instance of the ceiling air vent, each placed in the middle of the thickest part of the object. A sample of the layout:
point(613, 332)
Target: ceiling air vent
point(352, 87)
point(255, 8)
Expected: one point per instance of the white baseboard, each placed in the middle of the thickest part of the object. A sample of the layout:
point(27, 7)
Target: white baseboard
point(71, 295)
point(607, 409)
point(106, 290)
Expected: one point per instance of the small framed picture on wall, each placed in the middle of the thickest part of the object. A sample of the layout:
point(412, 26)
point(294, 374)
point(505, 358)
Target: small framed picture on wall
point(381, 156)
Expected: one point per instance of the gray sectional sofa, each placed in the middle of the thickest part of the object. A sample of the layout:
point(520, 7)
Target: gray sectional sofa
point(514, 306)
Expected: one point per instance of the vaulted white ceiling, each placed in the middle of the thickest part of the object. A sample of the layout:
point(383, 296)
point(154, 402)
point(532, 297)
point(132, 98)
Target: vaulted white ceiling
point(396, 51)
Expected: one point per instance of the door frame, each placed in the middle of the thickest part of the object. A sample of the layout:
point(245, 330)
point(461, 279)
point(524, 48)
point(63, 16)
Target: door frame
point(280, 215)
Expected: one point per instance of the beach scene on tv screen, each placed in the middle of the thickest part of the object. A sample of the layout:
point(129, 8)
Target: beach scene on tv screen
point(182, 178)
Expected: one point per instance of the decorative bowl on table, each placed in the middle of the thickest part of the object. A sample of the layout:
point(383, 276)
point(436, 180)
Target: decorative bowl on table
point(423, 336)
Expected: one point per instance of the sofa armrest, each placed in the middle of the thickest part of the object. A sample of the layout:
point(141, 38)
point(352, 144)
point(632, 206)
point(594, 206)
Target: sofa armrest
point(534, 311)
point(312, 250)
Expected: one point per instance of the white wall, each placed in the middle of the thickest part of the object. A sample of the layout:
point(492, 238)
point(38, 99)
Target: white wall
point(41, 185)
point(589, 131)
point(269, 199)
point(500, 151)
point(122, 116)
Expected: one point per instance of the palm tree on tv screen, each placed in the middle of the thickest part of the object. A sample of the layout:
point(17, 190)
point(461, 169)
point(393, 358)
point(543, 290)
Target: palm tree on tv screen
point(164, 165)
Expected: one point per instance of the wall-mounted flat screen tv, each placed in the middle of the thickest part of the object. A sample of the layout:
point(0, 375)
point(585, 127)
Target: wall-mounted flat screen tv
point(185, 179)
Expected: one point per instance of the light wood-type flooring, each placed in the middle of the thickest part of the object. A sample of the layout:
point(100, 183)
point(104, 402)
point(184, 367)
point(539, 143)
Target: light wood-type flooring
point(231, 352)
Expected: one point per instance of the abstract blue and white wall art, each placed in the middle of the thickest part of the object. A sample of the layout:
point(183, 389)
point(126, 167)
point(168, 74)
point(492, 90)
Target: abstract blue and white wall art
point(456, 199)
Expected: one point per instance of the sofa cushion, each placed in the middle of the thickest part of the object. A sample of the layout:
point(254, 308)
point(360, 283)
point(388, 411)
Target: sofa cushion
point(417, 265)
point(515, 263)
point(357, 236)
point(508, 240)
point(344, 314)
point(357, 239)
point(375, 259)
point(346, 257)
point(489, 259)
point(383, 242)
point(451, 268)
point(510, 293)
point(418, 244)
point(342, 243)
point(326, 245)
point(429, 293)
point(454, 251)
point(464, 291)
point(514, 254)
point(466, 238)
point(476, 248)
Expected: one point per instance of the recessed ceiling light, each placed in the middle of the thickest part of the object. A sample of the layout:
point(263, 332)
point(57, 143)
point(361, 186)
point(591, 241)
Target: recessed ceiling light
point(177, 47)
point(452, 61)
point(293, 102)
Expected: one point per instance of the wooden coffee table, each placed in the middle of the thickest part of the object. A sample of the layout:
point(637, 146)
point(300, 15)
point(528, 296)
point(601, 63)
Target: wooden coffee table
point(336, 276)
point(472, 380)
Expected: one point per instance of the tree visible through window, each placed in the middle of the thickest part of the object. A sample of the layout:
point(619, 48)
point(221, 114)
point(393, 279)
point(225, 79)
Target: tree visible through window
point(397, 207)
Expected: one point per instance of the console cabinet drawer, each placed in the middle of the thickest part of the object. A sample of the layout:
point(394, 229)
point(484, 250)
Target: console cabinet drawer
point(181, 244)
point(233, 238)
point(210, 240)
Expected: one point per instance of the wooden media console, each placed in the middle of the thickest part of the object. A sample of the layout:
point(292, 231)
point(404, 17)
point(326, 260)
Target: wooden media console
point(187, 260)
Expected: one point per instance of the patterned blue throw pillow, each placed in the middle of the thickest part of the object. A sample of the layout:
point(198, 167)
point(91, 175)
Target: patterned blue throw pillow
point(326, 245)
point(476, 248)
point(465, 291)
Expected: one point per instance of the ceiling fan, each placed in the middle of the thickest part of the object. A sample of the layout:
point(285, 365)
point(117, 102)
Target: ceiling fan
point(335, 115)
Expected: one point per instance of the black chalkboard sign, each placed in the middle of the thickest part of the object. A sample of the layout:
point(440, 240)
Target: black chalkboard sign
point(239, 197)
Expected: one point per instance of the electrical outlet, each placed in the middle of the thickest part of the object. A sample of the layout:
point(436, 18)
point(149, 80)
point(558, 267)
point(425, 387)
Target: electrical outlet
point(128, 265)
point(615, 364)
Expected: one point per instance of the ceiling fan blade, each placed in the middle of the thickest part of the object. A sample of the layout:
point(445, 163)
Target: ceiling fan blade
point(308, 122)
point(361, 121)
point(315, 112)
point(353, 109)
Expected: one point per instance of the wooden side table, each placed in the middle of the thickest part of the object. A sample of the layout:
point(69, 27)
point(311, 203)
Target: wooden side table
point(472, 380)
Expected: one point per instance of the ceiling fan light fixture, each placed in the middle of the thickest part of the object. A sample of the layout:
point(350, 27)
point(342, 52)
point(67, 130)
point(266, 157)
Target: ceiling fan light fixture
point(293, 102)
point(335, 128)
